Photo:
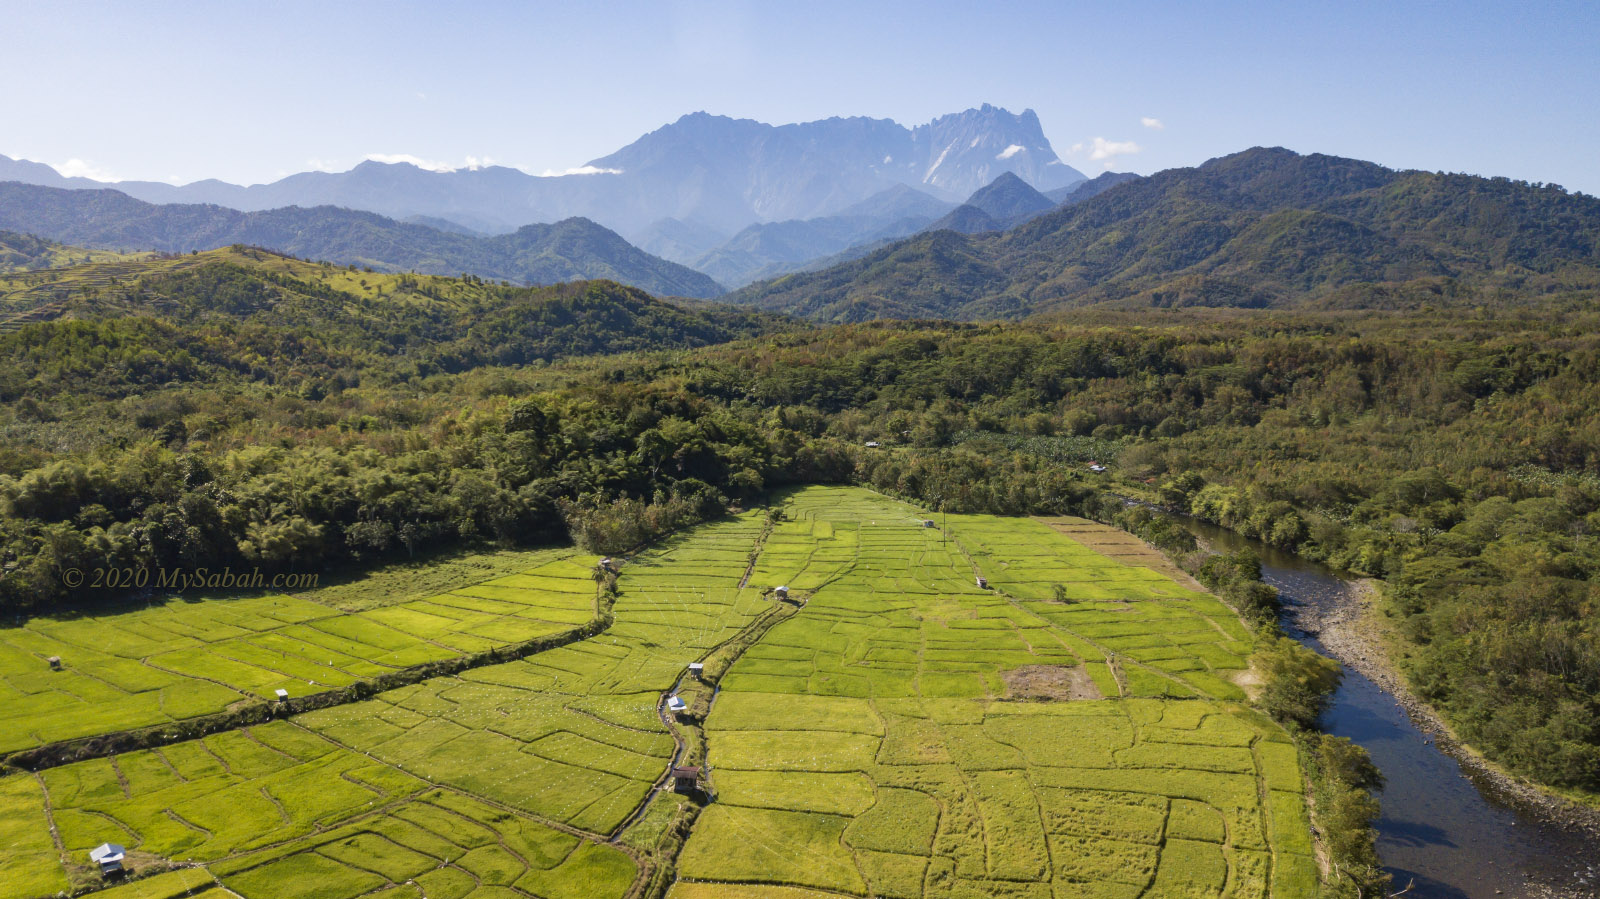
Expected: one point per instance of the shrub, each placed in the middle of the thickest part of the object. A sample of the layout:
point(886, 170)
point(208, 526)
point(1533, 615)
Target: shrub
point(1296, 682)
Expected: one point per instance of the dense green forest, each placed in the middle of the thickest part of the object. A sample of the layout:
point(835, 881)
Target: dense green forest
point(1265, 228)
point(252, 410)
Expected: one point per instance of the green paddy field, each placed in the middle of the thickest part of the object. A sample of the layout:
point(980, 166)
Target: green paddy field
point(1076, 728)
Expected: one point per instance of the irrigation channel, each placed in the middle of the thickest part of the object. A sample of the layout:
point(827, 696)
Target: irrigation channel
point(1446, 829)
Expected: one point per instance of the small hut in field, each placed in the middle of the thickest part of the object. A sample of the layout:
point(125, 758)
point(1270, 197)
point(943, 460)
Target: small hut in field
point(109, 857)
point(685, 779)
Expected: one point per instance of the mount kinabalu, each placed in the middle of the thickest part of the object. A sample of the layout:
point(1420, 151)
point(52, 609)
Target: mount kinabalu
point(720, 173)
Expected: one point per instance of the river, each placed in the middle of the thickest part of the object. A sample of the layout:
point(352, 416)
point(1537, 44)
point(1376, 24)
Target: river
point(1443, 831)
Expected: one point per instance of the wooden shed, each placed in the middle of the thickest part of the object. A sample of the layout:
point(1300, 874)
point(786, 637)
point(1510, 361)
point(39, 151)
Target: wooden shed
point(685, 779)
point(780, 592)
point(697, 670)
point(55, 663)
point(983, 583)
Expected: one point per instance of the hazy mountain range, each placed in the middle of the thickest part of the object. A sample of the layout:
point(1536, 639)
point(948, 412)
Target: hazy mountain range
point(718, 173)
point(567, 250)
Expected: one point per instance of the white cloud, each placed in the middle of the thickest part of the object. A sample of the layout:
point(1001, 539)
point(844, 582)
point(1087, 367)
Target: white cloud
point(1076, 148)
point(1152, 123)
point(79, 168)
point(1011, 151)
point(470, 163)
point(581, 170)
point(1100, 148)
point(392, 158)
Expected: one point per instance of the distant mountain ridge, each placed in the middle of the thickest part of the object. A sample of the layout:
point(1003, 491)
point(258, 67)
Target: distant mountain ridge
point(772, 248)
point(718, 172)
point(1260, 228)
point(568, 250)
point(1002, 203)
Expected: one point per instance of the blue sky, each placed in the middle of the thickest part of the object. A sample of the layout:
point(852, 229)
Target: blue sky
point(251, 92)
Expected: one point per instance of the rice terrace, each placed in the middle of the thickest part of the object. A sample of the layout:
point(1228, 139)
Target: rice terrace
point(887, 705)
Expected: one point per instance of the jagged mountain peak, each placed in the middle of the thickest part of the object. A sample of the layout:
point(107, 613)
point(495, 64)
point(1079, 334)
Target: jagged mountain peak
point(967, 150)
point(720, 172)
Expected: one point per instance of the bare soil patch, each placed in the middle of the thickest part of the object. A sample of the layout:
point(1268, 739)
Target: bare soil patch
point(1117, 544)
point(1052, 683)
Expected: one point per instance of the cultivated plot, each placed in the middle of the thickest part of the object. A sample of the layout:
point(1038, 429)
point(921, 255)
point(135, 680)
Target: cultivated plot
point(1167, 640)
point(180, 658)
point(572, 735)
point(1070, 730)
point(277, 811)
point(879, 742)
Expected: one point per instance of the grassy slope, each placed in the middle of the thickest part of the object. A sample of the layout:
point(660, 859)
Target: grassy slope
point(329, 321)
point(24, 252)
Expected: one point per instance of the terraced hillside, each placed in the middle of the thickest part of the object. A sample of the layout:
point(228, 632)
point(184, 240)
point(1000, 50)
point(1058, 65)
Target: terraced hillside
point(889, 729)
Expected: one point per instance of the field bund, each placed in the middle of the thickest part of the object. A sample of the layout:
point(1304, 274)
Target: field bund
point(1075, 729)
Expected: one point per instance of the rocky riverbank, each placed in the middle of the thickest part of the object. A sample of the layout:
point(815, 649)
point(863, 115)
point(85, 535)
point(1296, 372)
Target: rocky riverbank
point(1351, 631)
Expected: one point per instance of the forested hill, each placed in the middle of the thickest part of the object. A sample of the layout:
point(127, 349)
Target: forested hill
point(24, 252)
point(1261, 228)
point(242, 314)
point(572, 249)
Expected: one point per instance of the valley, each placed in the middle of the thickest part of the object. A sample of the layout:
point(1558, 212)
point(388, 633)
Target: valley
point(867, 742)
point(794, 503)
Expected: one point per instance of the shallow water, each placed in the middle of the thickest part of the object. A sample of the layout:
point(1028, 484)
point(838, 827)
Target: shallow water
point(1447, 834)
